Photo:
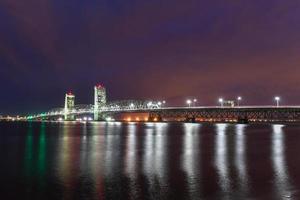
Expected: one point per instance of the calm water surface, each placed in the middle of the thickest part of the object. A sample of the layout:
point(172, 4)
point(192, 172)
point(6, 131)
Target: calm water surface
point(149, 161)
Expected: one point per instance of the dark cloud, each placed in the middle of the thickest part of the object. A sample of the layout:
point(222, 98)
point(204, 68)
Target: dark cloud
point(148, 49)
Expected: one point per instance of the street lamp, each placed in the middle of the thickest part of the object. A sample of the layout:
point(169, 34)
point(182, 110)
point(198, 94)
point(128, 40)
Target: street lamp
point(221, 101)
point(159, 104)
point(194, 101)
point(239, 99)
point(277, 99)
point(149, 104)
point(189, 102)
point(131, 105)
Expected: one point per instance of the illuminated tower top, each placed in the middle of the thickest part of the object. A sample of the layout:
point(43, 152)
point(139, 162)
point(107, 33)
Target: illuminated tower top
point(100, 96)
point(69, 101)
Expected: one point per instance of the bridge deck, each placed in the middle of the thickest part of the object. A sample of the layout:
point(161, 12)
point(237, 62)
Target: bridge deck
point(283, 113)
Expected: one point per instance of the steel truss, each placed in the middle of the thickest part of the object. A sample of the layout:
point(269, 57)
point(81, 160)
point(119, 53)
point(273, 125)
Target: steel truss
point(220, 114)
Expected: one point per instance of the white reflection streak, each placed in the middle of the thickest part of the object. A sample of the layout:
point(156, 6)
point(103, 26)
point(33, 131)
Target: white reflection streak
point(240, 157)
point(155, 158)
point(83, 149)
point(190, 157)
point(96, 157)
point(279, 162)
point(130, 160)
point(130, 157)
point(64, 154)
point(221, 157)
point(160, 152)
point(112, 149)
point(149, 155)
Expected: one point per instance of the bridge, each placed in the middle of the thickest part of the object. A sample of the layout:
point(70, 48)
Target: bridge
point(157, 111)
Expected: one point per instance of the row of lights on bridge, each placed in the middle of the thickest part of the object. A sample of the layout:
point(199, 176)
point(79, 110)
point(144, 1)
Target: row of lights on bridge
point(149, 104)
point(221, 101)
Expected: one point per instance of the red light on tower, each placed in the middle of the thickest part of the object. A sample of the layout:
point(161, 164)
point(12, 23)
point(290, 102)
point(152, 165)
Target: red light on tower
point(99, 85)
point(70, 93)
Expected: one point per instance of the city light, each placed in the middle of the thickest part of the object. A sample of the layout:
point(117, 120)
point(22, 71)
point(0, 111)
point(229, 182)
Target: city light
point(221, 101)
point(194, 102)
point(277, 99)
point(131, 105)
point(189, 102)
point(239, 99)
point(149, 104)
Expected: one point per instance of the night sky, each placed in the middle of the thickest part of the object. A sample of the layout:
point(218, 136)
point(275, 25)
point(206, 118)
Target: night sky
point(140, 49)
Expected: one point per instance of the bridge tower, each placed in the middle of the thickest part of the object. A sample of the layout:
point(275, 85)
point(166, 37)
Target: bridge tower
point(69, 105)
point(99, 100)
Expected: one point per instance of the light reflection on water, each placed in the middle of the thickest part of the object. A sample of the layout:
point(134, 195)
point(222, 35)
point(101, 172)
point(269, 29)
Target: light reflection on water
point(281, 175)
point(95, 159)
point(154, 159)
point(190, 158)
point(131, 161)
point(64, 154)
point(150, 161)
point(241, 159)
point(221, 158)
point(130, 154)
point(112, 152)
point(28, 157)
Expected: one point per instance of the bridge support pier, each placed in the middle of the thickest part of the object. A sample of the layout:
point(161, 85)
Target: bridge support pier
point(69, 117)
point(96, 115)
point(154, 117)
point(190, 119)
point(99, 116)
point(243, 120)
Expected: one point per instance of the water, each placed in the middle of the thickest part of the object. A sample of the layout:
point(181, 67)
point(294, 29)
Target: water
point(149, 161)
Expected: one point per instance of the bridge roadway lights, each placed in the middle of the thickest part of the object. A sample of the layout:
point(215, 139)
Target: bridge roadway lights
point(154, 119)
point(190, 119)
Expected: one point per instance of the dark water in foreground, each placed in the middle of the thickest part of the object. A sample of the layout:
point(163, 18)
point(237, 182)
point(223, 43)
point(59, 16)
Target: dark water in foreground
point(149, 161)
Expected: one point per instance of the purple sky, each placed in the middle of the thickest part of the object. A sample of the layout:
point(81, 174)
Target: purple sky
point(170, 49)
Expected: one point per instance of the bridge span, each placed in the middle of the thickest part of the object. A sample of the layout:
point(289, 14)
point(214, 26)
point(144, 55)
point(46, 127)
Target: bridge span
point(132, 110)
point(191, 114)
point(229, 114)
